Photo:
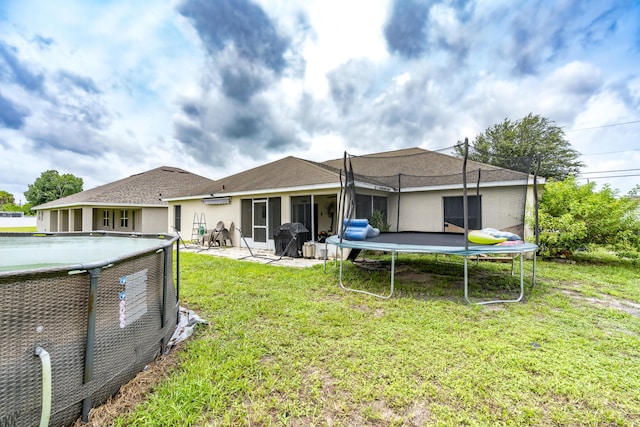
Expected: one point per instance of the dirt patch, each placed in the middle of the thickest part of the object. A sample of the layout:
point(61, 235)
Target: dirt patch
point(628, 307)
point(132, 393)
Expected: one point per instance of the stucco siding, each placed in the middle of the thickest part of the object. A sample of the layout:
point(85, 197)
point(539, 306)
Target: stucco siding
point(502, 208)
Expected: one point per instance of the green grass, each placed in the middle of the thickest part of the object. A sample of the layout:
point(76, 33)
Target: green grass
point(288, 347)
point(17, 229)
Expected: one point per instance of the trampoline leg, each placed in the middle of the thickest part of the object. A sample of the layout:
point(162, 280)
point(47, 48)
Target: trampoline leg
point(533, 275)
point(512, 264)
point(393, 267)
point(466, 281)
point(466, 286)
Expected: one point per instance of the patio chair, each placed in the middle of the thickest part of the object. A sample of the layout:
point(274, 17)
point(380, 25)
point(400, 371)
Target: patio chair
point(221, 235)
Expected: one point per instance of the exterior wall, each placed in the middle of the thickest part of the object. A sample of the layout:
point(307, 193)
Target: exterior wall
point(232, 212)
point(87, 218)
point(152, 220)
point(42, 220)
point(196, 210)
point(424, 211)
point(131, 220)
point(18, 221)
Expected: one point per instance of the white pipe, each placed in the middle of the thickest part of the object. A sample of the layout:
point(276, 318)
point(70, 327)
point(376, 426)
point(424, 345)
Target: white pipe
point(46, 385)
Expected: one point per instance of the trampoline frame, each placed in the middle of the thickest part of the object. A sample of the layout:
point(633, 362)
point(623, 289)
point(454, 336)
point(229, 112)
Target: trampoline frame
point(473, 250)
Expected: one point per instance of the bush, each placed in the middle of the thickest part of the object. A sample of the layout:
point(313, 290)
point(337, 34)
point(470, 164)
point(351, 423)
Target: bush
point(574, 216)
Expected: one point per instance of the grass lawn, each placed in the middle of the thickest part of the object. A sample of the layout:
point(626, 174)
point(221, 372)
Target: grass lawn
point(17, 229)
point(288, 347)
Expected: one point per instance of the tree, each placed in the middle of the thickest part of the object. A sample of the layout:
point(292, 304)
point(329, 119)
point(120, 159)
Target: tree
point(526, 137)
point(574, 216)
point(52, 186)
point(6, 198)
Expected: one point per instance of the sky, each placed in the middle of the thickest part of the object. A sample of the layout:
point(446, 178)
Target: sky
point(103, 89)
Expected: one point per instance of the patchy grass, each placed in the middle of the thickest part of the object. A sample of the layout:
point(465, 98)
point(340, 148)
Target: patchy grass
point(289, 347)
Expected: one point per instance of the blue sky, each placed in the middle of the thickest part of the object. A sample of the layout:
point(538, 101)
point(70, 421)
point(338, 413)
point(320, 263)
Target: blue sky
point(106, 89)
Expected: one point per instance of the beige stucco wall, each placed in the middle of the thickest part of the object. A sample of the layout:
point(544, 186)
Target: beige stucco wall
point(153, 220)
point(88, 218)
point(232, 212)
point(191, 209)
point(424, 211)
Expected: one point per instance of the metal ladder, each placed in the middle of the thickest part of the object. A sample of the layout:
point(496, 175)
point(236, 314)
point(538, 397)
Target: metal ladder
point(199, 227)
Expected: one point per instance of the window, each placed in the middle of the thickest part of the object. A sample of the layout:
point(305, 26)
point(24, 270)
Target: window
point(301, 210)
point(177, 217)
point(124, 218)
point(246, 219)
point(105, 218)
point(454, 211)
point(366, 205)
point(275, 216)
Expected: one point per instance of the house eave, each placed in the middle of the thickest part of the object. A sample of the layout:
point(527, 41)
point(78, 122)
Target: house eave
point(100, 204)
point(491, 184)
point(313, 187)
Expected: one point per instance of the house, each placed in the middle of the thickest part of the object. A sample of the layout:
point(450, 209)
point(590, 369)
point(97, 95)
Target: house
point(133, 204)
point(413, 189)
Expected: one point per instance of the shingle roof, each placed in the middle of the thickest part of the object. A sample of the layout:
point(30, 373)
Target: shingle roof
point(284, 173)
point(421, 168)
point(146, 188)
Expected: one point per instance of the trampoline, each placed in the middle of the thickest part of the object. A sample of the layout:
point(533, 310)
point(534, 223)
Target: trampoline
point(433, 243)
point(438, 213)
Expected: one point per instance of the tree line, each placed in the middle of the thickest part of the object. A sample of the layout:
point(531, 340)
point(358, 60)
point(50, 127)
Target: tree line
point(49, 186)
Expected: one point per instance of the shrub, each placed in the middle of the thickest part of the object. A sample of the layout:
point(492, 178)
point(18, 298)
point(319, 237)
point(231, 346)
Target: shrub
point(574, 216)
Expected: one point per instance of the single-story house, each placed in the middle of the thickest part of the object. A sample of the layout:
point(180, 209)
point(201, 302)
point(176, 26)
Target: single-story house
point(133, 204)
point(414, 190)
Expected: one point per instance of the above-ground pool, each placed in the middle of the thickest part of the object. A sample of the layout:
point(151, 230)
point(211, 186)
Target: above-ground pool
point(82, 313)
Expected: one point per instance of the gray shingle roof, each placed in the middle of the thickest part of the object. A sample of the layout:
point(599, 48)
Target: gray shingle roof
point(146, 188)
point(284, 173)
point(421, 168)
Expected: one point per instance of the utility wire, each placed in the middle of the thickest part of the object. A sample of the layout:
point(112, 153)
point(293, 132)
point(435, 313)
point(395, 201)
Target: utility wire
point(611, 176)
point(612, 171)
point(611, 152)
point(603, 126)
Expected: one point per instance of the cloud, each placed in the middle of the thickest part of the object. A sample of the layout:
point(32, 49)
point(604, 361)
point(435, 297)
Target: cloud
point(241, 23)
point(72, 81)
point(405, 31)
point(12, 115)
point(240, 79)
point(237, 109)
point(13, 70)
point(68, 134)
point(43, 42)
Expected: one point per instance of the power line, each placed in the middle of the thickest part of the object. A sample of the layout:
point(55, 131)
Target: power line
point(612, 171)
point(611, 152)
point(610, 176)
point(603, 126)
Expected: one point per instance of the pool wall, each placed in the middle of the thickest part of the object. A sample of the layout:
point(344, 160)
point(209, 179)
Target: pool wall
point(100, 323)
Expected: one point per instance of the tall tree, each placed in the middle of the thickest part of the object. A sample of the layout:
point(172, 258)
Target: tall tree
point(528, 136)
point(50, 185)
